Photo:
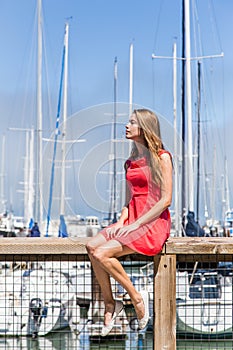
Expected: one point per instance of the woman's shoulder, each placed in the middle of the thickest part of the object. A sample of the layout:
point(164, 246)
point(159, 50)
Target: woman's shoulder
point(165, 156)
point(162, 152)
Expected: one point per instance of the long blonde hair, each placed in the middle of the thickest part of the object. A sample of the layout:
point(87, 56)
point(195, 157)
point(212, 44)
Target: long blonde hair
point(149, 124)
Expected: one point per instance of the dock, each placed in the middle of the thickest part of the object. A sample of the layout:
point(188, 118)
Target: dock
point(176, 250)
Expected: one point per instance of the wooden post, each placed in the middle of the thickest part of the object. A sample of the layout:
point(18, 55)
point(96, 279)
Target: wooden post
point(165, 302)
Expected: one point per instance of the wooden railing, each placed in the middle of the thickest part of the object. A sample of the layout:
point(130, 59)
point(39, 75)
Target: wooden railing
point(175, 250)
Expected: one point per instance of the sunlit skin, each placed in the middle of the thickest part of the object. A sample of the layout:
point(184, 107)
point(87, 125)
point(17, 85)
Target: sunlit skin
point(133, 131)
point(104, 254)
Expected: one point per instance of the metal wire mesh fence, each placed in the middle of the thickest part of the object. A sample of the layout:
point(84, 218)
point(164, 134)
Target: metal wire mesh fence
point(204, 303)
point(47, 303)
point(54, 302)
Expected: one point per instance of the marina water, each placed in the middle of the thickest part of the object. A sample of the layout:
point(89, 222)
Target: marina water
point(64, 340)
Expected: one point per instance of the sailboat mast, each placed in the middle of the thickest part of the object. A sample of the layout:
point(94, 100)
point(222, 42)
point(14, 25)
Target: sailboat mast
point(226, 186)
point(176, 167)
point(3, 201)
point(63, 148)
point(114, 142)
point(31, 189)
point(130, 78)
point(213, 188)
point(189, 105)
point(198, 138)
point(26, 176)
point(55, 140)
point(29, 176)
point(39, 170)
point(183, 127)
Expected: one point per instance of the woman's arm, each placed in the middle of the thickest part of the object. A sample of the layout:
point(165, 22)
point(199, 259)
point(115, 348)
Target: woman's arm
point(124, 215)
point(166, 193)
point(124, 211)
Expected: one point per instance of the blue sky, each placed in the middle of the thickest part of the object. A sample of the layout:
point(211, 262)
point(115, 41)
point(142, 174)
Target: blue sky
point(100, 31)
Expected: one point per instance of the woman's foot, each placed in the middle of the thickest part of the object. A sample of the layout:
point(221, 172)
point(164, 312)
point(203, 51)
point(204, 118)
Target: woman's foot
point(110, 318)
point(142, 310)
point(108, 313)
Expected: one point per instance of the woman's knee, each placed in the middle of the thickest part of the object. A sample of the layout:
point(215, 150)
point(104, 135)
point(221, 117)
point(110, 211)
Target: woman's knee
point(94, 251)
point(90, 248)
point(99, 254)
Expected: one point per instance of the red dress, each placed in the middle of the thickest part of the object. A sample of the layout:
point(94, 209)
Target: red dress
point(149, 238)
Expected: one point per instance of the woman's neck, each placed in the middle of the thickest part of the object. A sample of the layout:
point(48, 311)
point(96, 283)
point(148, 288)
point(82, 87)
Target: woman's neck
point(142, 150)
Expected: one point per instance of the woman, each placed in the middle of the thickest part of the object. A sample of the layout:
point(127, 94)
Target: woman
point(144, 224)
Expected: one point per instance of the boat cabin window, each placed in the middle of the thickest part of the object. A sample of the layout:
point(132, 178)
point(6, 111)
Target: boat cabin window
point(205, 286)
point(92, 220)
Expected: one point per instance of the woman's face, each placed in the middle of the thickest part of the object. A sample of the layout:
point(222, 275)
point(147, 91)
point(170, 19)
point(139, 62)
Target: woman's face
point(132, 129)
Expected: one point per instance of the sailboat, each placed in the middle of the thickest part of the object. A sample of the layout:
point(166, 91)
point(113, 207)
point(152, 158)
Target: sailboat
point(7, 219)
point(33, 165)
point(204, 297)
point(75, 225)
point(31, 306)
point(228, 224)
point(204, 304)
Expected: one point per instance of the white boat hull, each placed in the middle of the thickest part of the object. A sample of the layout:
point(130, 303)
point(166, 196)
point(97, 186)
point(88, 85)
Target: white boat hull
point(201, 316)
point(35, 304)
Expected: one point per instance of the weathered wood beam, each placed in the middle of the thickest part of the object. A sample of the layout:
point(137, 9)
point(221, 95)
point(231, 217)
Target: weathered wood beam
point(199, 245)
point(165, 302)
point(54, 245)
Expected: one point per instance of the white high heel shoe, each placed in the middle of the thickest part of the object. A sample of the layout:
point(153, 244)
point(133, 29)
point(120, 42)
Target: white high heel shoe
point(142, 323)
point(118, 308)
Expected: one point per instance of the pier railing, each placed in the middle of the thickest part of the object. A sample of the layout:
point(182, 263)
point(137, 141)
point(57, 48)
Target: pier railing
point(176, 250)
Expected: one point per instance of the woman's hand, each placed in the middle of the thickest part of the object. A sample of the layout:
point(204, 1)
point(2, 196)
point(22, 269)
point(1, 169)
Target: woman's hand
point(114, 228)
point(122, 231)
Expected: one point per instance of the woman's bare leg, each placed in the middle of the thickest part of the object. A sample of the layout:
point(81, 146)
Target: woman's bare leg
point(104, 256)
point(102, 277)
